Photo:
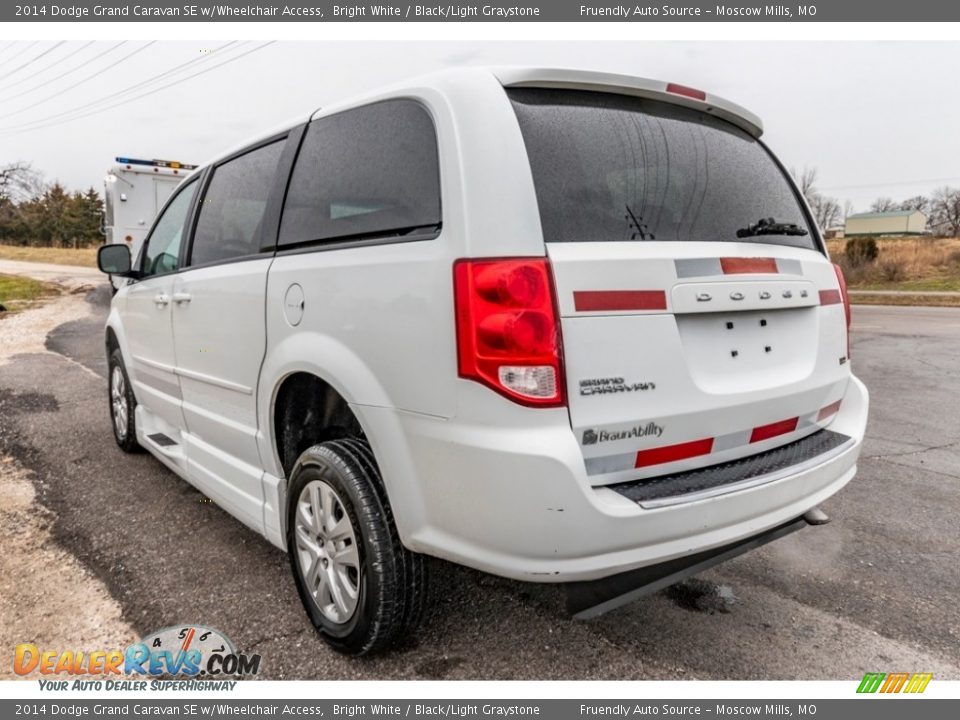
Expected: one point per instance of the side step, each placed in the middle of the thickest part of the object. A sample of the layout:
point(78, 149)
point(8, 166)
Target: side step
point(592, 598)
point(162, 440)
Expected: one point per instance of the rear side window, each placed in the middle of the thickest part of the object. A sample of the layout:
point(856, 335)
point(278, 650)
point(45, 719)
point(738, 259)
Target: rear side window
point(614, 168)
point(233, 206)
point(368, 172)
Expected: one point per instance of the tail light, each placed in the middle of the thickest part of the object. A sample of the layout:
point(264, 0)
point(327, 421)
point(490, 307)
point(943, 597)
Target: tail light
point(845, 298)
point(508, 335)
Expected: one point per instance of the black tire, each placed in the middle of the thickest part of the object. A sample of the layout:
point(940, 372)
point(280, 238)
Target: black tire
point(125, 433)
point(392, 580)
point(416, 566)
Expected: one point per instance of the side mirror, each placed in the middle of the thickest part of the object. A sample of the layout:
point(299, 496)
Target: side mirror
point(114, 259)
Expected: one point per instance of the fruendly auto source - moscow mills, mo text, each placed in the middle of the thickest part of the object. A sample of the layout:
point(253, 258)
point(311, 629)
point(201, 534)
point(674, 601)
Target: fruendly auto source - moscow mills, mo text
point(402, 11)
point(626, 12)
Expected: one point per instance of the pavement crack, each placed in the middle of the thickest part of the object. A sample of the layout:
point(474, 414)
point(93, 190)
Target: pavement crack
point(935, 366)
point(927, 470)
point(886, 456)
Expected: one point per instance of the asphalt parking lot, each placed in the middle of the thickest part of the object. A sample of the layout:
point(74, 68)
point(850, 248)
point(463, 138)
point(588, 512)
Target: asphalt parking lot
point(877, 589)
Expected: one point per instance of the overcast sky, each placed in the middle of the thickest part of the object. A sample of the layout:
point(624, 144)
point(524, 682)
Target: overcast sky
point(875, 119)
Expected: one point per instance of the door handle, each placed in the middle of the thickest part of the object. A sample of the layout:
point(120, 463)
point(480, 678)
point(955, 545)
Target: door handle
point(182, 297)
point(161, 299)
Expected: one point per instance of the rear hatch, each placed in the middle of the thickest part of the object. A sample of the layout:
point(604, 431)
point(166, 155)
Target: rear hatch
point(701, 322)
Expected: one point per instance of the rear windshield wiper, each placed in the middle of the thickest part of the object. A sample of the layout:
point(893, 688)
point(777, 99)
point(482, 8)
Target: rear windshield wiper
point(639, 228)
point(769, 226)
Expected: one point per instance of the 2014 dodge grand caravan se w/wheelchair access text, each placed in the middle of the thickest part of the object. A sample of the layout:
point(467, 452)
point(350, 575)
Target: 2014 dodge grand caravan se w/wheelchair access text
point(555, 325)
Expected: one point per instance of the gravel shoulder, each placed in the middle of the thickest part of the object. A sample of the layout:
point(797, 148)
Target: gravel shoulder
point(47, 596)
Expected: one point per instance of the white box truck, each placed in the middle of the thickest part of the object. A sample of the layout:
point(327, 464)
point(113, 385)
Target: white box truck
point(134, 192)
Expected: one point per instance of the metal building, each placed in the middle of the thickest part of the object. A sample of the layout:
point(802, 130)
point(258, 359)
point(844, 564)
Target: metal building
point(894, 222)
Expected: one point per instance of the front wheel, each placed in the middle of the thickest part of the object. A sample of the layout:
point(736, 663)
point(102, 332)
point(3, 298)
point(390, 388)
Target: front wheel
point(123, 405)
point(361, 588)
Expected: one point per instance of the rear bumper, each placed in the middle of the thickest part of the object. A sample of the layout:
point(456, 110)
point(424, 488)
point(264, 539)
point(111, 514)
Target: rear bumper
point(517, 502)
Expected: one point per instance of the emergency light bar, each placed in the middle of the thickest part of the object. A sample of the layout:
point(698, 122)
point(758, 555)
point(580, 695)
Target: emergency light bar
point(156, 163)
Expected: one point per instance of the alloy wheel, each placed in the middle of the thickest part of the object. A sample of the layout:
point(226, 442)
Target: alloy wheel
point(327, 551)
point(118, 401)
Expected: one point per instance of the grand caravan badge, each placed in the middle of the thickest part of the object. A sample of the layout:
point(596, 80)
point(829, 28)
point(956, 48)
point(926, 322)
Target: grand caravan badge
point(592, 437)
point(604, 386)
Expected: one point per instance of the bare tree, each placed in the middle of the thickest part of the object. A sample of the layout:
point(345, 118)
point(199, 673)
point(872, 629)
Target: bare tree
point(917, 202)
point(847, 209)
point(807, 180)
point(826, 211)
point(945, 215)
point(19, 182)
point(883, 204)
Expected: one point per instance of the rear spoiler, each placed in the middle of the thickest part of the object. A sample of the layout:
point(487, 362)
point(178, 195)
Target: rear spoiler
point(630, 85)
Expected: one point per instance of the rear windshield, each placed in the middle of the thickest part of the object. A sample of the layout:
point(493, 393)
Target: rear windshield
point(615, 168)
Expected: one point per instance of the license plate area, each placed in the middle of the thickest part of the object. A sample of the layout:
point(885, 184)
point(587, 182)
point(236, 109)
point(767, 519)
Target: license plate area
point(736, 352)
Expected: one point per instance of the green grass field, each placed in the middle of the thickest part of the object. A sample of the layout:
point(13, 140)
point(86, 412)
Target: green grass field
point(17, 293)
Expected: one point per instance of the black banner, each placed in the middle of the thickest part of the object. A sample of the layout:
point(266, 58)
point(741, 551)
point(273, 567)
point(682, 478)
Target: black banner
point(496, 11)
point(852, 709)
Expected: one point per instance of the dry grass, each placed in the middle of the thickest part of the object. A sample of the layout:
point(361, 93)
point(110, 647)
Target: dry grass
point(905, 264)
point(86, 257)
point(906, 299)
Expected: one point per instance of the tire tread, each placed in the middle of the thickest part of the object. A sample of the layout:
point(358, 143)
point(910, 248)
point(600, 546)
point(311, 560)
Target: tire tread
point(128, 444)
point(399, 599)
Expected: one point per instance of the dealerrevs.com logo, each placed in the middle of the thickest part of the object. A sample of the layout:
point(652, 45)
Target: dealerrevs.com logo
point(592, 437)
point(192, 651)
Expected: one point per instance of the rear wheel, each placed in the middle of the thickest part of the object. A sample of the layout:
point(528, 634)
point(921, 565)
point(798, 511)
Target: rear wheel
point(361, 588)
point(123, 405)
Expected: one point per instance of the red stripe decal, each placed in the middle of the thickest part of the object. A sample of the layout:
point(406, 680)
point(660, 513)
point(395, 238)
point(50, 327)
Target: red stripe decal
point(829, 410)
point(830, 297)
point(670, 453)
point(599, 300)
point(765, 432)
point(743, 266)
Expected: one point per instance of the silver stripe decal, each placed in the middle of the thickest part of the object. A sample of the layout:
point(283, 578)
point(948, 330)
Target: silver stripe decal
point(697, 267)
point(731, 441)
point(611, 463)
point(789, 267)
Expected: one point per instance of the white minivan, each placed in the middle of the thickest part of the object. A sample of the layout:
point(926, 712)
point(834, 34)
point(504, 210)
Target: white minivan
point(556, 325)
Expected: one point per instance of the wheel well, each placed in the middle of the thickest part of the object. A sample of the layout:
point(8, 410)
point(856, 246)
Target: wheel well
point(112, 342)
point(309, 411)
